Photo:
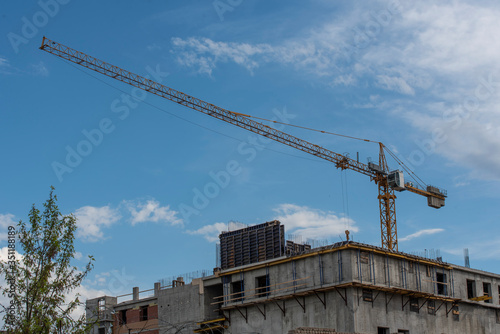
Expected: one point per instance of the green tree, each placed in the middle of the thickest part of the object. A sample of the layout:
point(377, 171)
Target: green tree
point(40, 280)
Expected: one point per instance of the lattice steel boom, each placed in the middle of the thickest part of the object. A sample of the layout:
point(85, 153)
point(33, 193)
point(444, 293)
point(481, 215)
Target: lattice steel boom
point(379, 175)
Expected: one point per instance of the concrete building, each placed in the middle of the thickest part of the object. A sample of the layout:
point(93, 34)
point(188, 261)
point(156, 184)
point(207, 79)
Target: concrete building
point(346, 287)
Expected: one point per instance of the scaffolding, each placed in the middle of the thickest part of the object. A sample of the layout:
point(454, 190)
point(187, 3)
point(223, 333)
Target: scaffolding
point(252, 244)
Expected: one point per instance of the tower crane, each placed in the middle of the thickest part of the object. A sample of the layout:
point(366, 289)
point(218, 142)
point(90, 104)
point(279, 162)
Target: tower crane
point(387, 181)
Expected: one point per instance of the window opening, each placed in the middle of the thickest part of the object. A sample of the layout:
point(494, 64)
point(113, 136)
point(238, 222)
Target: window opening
point(487, 291)
point(143, 314)
point(441, 284)
point(414, 305)
point(102, 308)
point(236, 291)
point(368, 295)
point(123, 317)
point(471, 289)
point(431, 307)
point(382, 330)
point(456, 313)
point(262, 286)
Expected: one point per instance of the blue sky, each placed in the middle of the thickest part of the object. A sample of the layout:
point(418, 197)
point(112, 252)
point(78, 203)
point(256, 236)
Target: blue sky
point(423, 78)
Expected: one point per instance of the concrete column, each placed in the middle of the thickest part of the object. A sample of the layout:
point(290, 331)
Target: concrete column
point(157, 288)
point(135, 293)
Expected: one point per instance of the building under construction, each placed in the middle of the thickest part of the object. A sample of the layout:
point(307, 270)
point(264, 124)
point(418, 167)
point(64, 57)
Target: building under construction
point(267, 285)
point(347, 287)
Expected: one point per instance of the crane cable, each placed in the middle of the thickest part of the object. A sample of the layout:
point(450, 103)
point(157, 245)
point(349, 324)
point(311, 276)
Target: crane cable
point(307, 128)
point(406, 168)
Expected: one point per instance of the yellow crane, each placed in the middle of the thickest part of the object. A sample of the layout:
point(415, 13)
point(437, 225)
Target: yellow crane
point(388, 181)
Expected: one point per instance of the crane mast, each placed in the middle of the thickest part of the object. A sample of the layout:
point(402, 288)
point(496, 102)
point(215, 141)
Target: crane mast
point(378, 173)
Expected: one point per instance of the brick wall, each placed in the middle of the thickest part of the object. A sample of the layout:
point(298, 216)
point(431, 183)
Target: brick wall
point(153, 312)
point(132, 316)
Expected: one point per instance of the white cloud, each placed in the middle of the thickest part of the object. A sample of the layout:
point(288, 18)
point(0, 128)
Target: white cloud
point(6, 220)
point(3, 61)
point(301, 221)
point(211, 232)
point(154, 47)
point(396, 84)
point(78, 255)
point(152, 211)
point(313, 223)
point(4, 254)
point(422, 233)
point(205, 53)
point(434, 55)
point(91, 221)
point(483, 250)
point(39, 69)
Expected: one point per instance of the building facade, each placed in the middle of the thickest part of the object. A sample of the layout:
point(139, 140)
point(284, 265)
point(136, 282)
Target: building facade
point(346, 287)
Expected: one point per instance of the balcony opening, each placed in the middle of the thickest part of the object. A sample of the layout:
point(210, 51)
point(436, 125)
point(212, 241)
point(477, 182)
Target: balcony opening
point(456, 313)
point(143, 313)
point(262, 286)
point(471, 289)
point(382, 330)
point(414, 307)
point(431, 307)
point(368, 295)
point(441, 284)
point(123, 317)
point(487, 291)
point(237, 293)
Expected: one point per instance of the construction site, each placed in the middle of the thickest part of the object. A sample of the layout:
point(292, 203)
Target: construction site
point(267, 287)
point(267, 284)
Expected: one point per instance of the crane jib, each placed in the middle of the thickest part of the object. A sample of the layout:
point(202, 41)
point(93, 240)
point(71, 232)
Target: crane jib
point(378, 173)
point(181, 98)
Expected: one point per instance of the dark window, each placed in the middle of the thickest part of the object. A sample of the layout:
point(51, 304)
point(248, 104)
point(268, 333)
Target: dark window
point(382, 330)
point(102, 330)
point(123, 317)
point(431, 307)
point(456, 313)
point(441, 284)
point(498, 316)
point(414, 305)
point(403, 331)
point(262, 286)
point(236, 291)
point(487, 291)
point(471, 289)
point(143, 313)
point(367, 295)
